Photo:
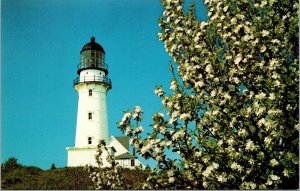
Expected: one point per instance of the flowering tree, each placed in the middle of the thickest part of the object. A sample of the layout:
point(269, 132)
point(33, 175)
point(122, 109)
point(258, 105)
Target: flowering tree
point(232, 116)
point(109, 177)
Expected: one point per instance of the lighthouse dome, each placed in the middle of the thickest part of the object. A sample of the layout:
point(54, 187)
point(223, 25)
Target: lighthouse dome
point(92, 56)
point(92, 46)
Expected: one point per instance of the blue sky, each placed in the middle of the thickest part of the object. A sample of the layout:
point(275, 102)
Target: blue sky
point(41, 43)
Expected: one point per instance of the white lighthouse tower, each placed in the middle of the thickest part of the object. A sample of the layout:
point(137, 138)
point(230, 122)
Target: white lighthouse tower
point(92, 86)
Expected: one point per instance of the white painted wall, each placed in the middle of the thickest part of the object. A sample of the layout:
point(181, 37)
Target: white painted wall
point(81, 157)
point(91, 74)
point(97, 127)
point(120, 149)
point(85, 156)
point(126, 163)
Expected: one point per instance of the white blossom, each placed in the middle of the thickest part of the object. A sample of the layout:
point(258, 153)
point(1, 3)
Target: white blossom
point(286, 173)
point(139, 129)
point(274, 162)
point(265, 33)
point(274, 177)
point(213, 93)
point(273, 63)
point(199, 84)
point(260, 96)
point(275, 41)
point(168, 143)
point(171, 179)
point(221, 178)
point(227, 96)
point(208, 68)
point(173, 85)
point(135, 115)
point(237, 28)
point(159, 92)
point(220, 142)
point(178, 135)
point(225, 8)
point(170, 172)
point(185, 116)
point(208, 171)
point(277, 83)
point(137, 109)
point(238, 59)
point(260, 110)
point(128, 130)
point(146, 148)
point(250, 145)
point(126, 116)
point(263, 49)
point(236, 166)
point(263, 3)
point(161, 115)
point(261, 122)
point(215, 165)
point(230, 141)
point(268, 140)
point(242, 132)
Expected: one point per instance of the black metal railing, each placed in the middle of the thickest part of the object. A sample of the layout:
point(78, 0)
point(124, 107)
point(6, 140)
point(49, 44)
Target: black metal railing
point(92, 65)
point(92, 79)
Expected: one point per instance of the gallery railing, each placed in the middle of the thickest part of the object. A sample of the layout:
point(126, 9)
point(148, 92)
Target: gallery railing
point(92, 65)
point(92, 79)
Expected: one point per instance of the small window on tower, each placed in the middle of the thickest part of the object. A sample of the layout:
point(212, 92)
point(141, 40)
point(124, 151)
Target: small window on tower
point(89, 140)
point(132, 162)
point(90, 92)
point(90, 116)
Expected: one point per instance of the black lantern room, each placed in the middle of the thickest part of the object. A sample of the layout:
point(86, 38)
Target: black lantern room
point(92, 57)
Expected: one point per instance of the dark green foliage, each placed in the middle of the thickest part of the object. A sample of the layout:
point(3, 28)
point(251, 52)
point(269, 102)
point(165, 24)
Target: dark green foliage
point(15, 176)
point(53, 166)
point(134, 179)
point(10, 164)
point(75, 178)
point(29, 178)
point(20, 178)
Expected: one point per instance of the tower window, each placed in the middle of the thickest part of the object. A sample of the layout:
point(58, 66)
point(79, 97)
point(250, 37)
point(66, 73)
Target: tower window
point(90, 116)
point(132, 162)
point(89, 140)
point(90, 92)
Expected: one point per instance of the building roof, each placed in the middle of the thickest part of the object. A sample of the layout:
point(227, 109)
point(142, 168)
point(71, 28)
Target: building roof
point(92, 46)
point(125, 156)
point(124, 140)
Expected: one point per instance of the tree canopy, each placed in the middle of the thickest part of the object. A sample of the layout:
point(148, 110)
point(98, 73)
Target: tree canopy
point(233, 114)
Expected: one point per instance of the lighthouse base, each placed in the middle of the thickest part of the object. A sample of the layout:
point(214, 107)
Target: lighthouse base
point(85, 156)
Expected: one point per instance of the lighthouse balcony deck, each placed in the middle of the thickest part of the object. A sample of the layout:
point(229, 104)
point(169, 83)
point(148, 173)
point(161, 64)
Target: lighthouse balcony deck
point(92, 79)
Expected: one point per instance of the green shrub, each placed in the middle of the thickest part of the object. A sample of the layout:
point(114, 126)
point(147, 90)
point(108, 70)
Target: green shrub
point(10, 164)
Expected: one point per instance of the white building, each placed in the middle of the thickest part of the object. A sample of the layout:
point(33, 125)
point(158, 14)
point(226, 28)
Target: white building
point(92, 86)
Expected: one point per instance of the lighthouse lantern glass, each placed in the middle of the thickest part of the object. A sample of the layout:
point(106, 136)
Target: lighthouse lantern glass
point(92, 59)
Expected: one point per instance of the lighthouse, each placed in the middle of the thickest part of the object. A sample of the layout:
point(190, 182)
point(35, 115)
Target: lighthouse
point(92, 85)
